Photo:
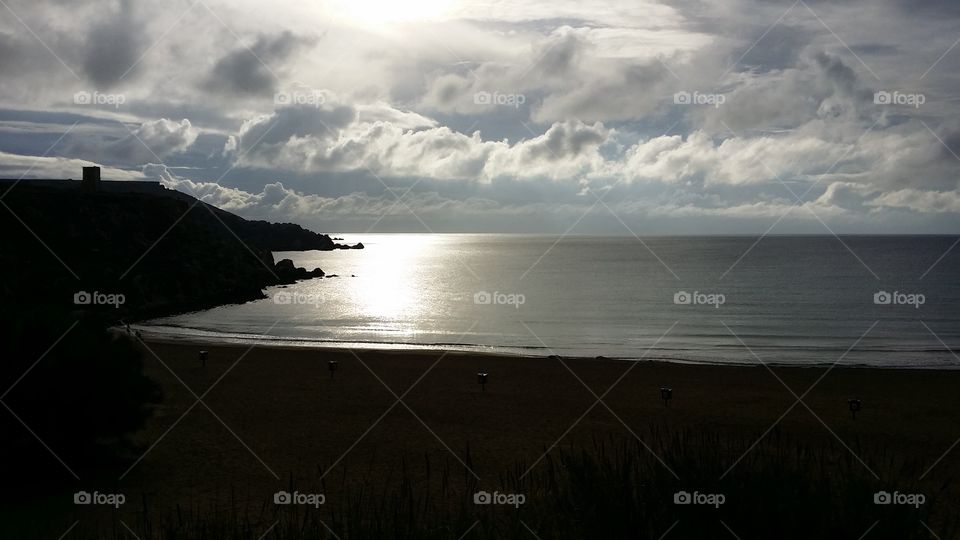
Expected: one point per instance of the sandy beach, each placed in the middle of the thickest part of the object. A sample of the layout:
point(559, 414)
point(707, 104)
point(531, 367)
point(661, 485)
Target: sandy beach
point(272, 414)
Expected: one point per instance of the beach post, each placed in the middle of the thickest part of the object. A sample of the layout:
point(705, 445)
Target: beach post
point(666, 394)
point(482, 379)
point(333, 365)
point(203, 357)
point(855, 406)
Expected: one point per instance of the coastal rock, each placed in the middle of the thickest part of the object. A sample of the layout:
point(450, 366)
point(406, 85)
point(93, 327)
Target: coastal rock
point(288, 273)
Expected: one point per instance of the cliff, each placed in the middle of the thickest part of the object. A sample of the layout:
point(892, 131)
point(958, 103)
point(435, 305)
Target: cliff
point(163, 254)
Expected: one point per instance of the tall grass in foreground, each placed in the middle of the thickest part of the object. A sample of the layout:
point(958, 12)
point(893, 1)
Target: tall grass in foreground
point(609, 488)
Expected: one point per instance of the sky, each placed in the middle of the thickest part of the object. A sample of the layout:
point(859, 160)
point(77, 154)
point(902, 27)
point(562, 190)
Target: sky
point(581, 117)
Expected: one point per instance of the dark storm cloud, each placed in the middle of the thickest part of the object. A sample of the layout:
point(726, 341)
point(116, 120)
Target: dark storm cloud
point(780, 49)
point(113, 46)
point(253, 70)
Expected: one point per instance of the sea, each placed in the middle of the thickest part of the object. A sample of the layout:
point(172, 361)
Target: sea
point(885, 301)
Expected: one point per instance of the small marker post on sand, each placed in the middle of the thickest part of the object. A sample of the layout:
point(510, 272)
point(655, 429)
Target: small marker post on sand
point(333, 365)
point(482, 380)
point(666, 394)
point(203, 357)
point(855, 406)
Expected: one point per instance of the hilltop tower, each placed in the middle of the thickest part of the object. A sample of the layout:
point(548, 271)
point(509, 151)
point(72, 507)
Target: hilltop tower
point(91, 179)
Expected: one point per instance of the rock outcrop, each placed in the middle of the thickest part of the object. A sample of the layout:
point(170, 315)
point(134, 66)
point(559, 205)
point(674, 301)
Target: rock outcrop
point(163, 254)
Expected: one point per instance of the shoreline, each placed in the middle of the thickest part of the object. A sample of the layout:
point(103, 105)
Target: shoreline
point(342, 347)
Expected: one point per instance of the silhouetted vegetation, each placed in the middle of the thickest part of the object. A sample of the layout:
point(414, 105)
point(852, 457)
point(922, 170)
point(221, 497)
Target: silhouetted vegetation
point(71, 385)
point(612, 488)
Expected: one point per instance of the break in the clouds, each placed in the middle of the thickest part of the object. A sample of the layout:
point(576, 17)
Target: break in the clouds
point(651, 116)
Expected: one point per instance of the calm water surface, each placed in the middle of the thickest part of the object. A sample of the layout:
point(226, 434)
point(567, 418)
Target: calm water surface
point(794, 300)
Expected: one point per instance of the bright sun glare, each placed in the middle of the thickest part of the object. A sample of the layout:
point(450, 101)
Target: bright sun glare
point(374, 12)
